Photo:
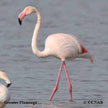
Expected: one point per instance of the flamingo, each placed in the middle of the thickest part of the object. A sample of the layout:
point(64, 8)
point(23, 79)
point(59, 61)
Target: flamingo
point(59, 45)
point(4, 95)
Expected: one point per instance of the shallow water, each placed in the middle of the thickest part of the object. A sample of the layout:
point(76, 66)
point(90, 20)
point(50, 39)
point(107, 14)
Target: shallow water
point(33, 78)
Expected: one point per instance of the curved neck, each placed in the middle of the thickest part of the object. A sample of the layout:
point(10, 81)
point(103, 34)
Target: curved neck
point(34, 38)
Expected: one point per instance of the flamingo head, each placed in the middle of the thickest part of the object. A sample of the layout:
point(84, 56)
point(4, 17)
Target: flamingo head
point(27, 11)
point(3, 76)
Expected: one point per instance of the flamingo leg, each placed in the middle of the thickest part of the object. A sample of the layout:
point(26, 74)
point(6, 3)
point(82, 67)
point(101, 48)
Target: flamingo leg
point(57, 82)
point(68, 79)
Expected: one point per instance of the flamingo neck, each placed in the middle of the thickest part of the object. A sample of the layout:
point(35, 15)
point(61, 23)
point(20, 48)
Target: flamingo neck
point(34, 38)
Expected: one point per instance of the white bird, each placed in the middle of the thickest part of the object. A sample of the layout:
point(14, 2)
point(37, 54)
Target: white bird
point(61, 46)
point(4, 95)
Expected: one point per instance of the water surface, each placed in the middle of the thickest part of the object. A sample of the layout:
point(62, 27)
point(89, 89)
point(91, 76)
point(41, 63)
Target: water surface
point(34, 78)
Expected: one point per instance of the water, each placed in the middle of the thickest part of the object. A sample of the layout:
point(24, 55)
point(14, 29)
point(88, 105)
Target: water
point(33, 78)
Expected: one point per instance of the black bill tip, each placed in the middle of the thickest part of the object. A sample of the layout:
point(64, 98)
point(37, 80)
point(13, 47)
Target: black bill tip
point(20, 22)
point(8, 85)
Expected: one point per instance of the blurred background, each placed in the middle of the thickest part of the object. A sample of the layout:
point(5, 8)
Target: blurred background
point(33, 78)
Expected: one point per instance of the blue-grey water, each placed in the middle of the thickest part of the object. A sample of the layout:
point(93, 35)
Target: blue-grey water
point(33, 78)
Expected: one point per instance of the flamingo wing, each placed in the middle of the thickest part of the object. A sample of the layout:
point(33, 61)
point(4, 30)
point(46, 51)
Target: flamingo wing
point(62, 46)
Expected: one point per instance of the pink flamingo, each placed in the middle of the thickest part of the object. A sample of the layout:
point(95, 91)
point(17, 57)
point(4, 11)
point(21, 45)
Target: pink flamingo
point(61, 46)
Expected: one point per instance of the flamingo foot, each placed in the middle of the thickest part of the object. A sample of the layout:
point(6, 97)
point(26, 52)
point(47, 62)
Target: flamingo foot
point(57, 83)
point(54, 90)
point(68, 79)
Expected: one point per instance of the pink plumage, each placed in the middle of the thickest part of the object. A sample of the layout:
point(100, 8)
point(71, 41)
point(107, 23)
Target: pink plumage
point(59, 45)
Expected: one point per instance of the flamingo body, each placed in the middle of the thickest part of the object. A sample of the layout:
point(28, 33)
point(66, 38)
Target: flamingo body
point(62, 46)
